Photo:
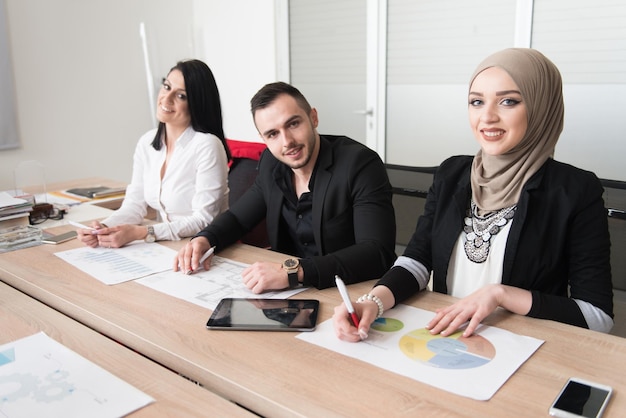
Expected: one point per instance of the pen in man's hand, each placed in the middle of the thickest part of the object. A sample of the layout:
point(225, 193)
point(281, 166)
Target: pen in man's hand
point(203, 258)
point(346, 300)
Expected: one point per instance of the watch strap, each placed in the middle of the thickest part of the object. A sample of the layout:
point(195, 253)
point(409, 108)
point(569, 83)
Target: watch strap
point(293, 280)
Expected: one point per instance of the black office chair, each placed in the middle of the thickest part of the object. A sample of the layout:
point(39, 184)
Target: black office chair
point(410, 187)
point(615, 201)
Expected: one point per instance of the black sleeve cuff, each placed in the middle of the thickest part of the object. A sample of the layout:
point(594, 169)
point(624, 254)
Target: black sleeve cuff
point(556, 308)
point(401, 283)
point(310, 273)
point(223, 231)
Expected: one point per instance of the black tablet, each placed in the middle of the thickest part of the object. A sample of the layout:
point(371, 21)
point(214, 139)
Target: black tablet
point(265, 314)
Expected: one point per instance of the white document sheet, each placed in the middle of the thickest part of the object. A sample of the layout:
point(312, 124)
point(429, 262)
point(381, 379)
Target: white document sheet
point(207, 288)
point(41, 378)
point(6, 200)
point(474, 367)
point(116, 265)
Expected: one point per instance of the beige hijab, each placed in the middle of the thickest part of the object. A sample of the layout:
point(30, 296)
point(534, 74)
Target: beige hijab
point(497, 181)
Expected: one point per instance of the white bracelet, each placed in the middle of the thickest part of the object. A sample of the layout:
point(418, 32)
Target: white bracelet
point(375, 299)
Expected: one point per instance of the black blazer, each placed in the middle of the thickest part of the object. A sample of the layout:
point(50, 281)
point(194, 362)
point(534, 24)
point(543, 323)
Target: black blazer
point(558, 245)
point(353, 217)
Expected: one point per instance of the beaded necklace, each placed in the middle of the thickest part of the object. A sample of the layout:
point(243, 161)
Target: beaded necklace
point(479, 230)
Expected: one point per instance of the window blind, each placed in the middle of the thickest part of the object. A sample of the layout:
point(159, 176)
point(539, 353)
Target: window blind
point(586, 40)
point(441, 42)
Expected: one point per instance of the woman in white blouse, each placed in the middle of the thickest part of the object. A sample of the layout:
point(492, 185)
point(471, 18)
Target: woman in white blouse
point(180, 169)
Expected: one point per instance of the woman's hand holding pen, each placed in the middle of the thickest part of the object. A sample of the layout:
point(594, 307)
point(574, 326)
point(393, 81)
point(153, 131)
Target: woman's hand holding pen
point(86, 233)
point(120, 235)
point(366, 311)
point(345, 329)
point(108, 237)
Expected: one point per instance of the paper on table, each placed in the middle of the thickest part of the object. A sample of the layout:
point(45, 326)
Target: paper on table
point(6, 200)
point(40, 377)
point(152, 265)
point(475, 367)
point(116, 265)
point(59, 199)
point(207, 288)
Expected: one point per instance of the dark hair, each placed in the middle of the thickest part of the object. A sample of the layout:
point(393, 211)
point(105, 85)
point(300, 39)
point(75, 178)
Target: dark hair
point(270, 92)
point(203, 100)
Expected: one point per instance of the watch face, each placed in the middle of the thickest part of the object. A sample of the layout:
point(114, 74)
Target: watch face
point(291, 263)
point(150, 237)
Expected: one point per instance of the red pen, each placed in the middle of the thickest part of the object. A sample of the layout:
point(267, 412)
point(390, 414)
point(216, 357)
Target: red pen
point(346, 300)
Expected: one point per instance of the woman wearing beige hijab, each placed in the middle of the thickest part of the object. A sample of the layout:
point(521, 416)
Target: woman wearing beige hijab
point(509, 227)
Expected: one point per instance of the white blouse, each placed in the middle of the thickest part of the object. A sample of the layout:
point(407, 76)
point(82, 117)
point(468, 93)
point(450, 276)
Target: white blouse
point(194, 189)
point(465, 276)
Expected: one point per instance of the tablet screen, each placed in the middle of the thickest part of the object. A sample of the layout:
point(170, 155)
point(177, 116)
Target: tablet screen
point(265, 314)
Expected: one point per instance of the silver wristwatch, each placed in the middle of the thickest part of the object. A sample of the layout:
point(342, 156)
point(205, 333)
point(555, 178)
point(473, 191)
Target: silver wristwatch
point(150, 237)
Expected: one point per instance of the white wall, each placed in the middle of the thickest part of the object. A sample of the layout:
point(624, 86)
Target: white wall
point(82, 95)
point(8, 118)
point(82, 98)
point(237, 40)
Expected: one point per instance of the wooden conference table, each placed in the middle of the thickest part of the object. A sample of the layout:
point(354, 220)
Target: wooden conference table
point(276, 374)
point(175, 396)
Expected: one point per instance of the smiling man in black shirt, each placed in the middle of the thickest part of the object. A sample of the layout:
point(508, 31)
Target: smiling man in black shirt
point(326, 199)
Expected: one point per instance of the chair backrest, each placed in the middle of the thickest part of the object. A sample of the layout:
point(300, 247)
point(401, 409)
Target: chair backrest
point(615, 201)
point(410, 186)
point(243, 172)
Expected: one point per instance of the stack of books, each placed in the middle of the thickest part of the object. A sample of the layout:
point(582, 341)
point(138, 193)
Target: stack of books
point(14, 211)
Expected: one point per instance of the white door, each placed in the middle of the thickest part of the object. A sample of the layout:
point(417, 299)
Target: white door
point(392, 73)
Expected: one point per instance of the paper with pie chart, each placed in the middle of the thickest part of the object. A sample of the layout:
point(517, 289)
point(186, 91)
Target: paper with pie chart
point(453, 352)
point(475, 367)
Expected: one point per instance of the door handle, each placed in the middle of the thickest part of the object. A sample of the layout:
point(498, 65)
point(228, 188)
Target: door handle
point(368, 112)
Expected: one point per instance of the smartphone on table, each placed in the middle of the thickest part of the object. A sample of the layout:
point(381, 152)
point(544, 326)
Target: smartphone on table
point(48, 238)
point(581, 398)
